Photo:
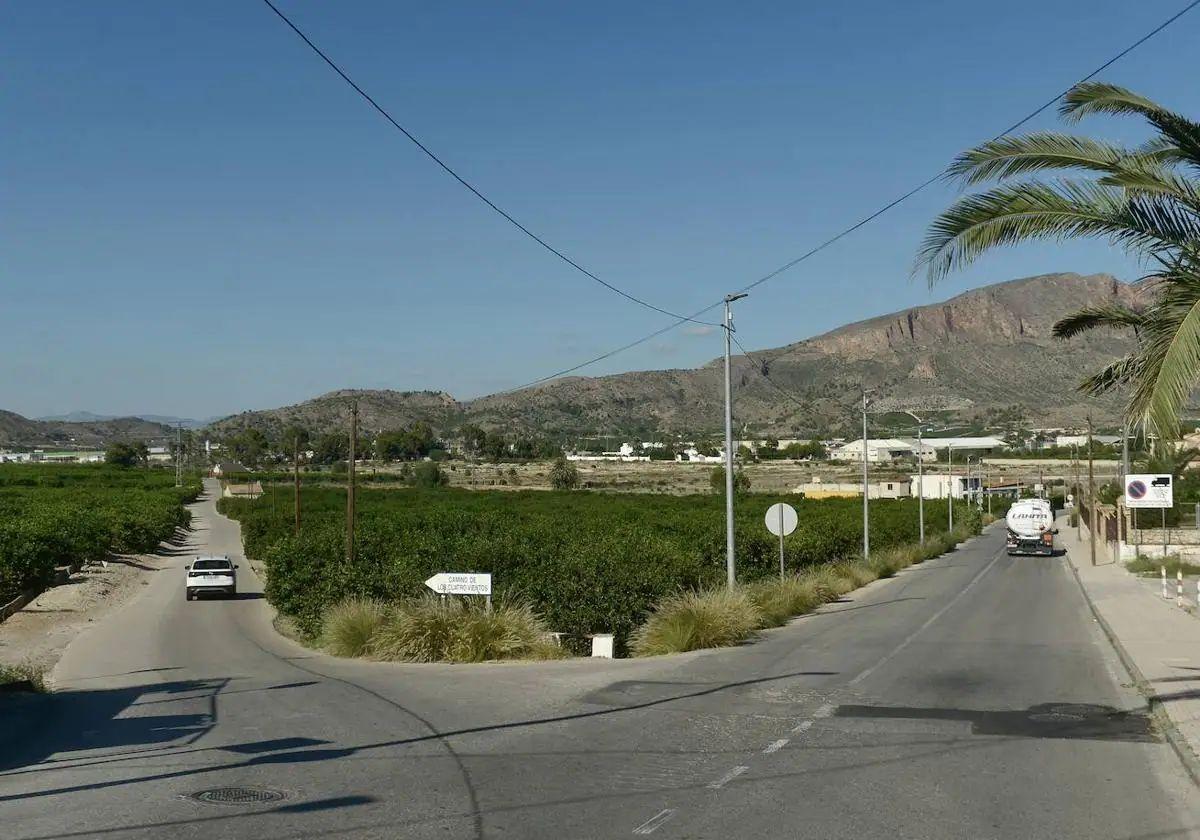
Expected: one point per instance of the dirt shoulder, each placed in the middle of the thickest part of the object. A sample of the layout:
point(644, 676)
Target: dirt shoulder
point(41, 631)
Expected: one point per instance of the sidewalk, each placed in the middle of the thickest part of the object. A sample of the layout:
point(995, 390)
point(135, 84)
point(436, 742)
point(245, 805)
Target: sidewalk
point(1158, 641)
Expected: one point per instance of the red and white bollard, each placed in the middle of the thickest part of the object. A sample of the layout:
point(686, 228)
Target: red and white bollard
point(1179, 587)
point(1163, 570)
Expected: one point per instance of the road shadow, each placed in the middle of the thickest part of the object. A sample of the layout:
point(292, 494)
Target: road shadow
point(1082, 721)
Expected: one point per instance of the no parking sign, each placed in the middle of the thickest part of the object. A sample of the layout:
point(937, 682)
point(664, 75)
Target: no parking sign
point(1149, 491)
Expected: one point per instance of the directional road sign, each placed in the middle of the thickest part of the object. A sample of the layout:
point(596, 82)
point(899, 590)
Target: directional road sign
point(460, 583)
point(1151, 490)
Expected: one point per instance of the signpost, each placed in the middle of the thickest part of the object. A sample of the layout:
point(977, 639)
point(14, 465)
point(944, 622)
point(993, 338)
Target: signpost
point(781, 520)
point(462, 583)
point(1151, 490)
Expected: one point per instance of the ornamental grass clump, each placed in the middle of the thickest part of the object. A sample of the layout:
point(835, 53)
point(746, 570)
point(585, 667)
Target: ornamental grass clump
point(694, 620)
point(429, 629)
point(779, 599)
point(350, 624)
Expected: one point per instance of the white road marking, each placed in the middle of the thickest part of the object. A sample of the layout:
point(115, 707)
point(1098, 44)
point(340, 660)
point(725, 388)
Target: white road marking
point(654, 822)
point(824, 712)
point(913, 635)
point(728, 777)
point(775, 746)
point(803, 726)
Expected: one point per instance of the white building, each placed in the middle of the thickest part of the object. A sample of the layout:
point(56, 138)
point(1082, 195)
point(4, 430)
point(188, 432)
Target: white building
point(1081, 440)
point(625, 454)
point(818, 489)
point(693, 455)
point(882, 450)
point(936, 486)
point(975, 444)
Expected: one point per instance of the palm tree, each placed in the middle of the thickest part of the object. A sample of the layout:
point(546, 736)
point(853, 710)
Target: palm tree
point(1144, 199)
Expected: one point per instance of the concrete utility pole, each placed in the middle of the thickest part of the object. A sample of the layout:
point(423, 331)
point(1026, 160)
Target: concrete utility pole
point(1091, 495)
point(866, 486)
point(350, 484)
point(296, 477)
point(920, 474)
point(178, 454)
point(730, 561)
point(950, 483)
point(1124, 451)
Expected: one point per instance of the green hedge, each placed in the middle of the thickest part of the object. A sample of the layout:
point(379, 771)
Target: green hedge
point(61, 515)
point(588, 562)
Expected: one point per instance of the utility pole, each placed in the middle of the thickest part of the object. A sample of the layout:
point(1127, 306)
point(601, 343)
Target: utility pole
point(1124, 451)
point(296, 478)
point(730, 561)
point(350, 484)
point(866, 487)
point(920, 472)
point(1091, 495)
point(950, 483)
point(987, 480)
point(178, 454)
point(1079, 517)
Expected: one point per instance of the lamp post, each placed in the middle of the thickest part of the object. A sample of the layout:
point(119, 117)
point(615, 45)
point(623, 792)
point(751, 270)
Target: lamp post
point(950, 483)
point(920, 473)
point(866, 488)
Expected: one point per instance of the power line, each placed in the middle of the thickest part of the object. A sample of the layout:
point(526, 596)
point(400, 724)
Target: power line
point(876, 214)
point(446, 167)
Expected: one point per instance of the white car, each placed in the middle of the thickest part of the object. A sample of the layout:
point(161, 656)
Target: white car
point(211, 574)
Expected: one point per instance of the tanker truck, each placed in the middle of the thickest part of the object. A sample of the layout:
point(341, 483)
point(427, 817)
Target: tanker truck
point(1030, 527)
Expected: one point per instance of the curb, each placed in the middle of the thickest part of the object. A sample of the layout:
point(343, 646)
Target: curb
point(1178, 743)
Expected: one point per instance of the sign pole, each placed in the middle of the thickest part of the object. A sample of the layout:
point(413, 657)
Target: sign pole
point(781, 573)
point(1164, 535)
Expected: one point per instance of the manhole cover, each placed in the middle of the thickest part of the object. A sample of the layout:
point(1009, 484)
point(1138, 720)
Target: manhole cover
point(238, 796)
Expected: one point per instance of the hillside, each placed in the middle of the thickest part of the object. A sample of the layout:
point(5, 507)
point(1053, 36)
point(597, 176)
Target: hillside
point(16, 430)
point(377, 410)
point(987, 353)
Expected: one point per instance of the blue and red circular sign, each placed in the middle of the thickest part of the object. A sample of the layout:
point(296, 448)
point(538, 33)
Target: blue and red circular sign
point(1136, 489)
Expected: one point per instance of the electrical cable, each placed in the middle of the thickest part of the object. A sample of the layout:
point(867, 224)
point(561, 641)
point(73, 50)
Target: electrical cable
point(875, 215)
point(463, 181)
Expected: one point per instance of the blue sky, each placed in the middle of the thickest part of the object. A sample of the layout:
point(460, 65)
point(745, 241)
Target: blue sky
point(200, 218)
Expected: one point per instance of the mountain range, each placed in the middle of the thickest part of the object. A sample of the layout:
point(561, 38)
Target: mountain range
point(16, 430)
point(164, 419)
point(987, 354)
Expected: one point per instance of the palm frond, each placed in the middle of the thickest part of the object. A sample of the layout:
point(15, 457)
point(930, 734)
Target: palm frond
point(1091, 317)
point(1172, 361)
point(1015, 213)
point(1005, 157)
point(1089, 98)
point(1121, 372)
point(1103, 98)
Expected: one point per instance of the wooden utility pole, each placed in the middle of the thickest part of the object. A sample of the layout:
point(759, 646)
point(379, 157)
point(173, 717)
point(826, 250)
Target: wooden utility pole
point(350, 484)
point(296, 477)
point(1079, 496)
point(1091, 495)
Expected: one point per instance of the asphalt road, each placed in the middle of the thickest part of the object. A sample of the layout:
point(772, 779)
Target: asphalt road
point(971, 697)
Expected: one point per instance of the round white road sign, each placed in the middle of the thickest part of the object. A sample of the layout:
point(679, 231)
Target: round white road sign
point(781, 519)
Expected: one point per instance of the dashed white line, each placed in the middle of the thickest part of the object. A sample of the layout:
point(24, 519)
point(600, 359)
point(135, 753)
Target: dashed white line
point(908, 640)
point(654, 822)
point(803, 726)
point(728, 777)
point(775, 746)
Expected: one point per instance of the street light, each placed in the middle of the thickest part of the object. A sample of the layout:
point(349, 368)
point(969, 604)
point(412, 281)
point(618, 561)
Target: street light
point(920, 472)
point(950, 483)
point(730, 563)
point(866, 488)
